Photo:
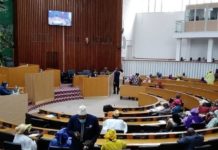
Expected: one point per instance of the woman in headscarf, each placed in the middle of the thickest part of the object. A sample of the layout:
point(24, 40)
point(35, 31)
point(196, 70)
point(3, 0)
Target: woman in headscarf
point(62, 139)
point(22, 137)
point(111, 141)
point(213, 122)
point(194, 118)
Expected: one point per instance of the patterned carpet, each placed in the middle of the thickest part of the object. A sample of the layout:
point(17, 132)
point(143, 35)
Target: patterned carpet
point(64, 93)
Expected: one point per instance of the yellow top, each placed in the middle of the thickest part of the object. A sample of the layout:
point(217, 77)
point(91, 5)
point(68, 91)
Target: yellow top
point(113, 145)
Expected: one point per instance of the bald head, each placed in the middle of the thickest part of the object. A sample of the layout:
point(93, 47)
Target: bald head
point(190, 131)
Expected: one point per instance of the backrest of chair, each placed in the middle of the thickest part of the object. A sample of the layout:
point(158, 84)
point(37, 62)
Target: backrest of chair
point(213, 143)
point(171, 146)
point(203, 147)
point(11, 146)
point(39, 122)
point(197, 126)
point(5, 137)
point(58, 148)
point(179, 128)
point(70, 72)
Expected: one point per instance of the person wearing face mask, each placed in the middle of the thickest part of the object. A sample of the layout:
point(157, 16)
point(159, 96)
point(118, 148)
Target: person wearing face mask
point(84, 130)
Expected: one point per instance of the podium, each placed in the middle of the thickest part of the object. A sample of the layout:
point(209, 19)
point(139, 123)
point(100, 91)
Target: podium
point(13, 108)
point(40, 86)
point(94, 86)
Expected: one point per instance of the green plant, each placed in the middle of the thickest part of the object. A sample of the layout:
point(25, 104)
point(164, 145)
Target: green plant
point(6, 40)
point(2, 6)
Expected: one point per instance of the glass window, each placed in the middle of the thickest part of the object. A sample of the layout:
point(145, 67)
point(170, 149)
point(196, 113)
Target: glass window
point(199, 14)
point(212, 13)
point(190, 15)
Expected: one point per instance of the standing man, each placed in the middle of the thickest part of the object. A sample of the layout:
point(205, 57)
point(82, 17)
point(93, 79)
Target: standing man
point(116, 81)
point(84, 129)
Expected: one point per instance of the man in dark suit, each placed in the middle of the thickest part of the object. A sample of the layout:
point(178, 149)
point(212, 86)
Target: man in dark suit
point(191, 140)
point(116, 81)
point(84, 130)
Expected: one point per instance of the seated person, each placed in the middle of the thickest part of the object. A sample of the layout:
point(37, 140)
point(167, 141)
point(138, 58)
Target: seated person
point(4, 90)
point(191, 139)
point(214, 106)
point(135, 80)
point(213, 122)
point(147, 80)
point(192, 118)
point(115, 123)
point(161, 109)
point(159, 84)
point(167, 110)
point(209, 77)
point(216, 75)
point(173, 122)
point(111, 141)
point(105, 71)
point(170, 76)
point(177, 109)
point(175, 101)
point(94, 73)
point(204, 108)
point(62, 139)
point(22, 137)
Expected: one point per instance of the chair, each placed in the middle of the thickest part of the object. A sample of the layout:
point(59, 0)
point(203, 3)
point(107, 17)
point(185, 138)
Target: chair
point(171, 146)
point(197, 126)
point(43, 144)
point(58, 148)
point(203, 147)
point(70, 74)
point(39, 122)
point(11, 146)
point(5, 137)
point(179, 128)
point(213, 143)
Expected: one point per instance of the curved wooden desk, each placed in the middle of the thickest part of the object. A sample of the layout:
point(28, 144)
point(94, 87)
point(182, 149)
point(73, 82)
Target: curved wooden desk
point(127, 119)
point(140, 139)
point(189, 83)
point(211, 95)
point(188, 100)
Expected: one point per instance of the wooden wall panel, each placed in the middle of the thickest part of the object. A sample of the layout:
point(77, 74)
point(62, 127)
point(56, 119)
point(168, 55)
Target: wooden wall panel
point(99, 21)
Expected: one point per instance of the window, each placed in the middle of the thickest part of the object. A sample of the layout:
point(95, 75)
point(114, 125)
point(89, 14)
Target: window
point(212, 13)
point(199, 14)
point(190, 15)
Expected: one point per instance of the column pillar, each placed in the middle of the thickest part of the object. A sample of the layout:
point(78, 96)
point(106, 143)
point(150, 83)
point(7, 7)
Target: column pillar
point(178, 49)
point(210, 50)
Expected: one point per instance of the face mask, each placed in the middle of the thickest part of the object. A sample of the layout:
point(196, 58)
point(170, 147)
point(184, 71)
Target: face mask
point(82, 120)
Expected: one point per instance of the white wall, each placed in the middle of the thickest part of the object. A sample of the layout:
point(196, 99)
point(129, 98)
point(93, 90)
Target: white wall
point(153, 35)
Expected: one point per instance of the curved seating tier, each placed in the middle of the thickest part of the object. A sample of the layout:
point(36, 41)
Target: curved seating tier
point(211, 95)
point(139, 139)
point(189, 83)
point(145, 124)
point(188, 100)
point(145, 101)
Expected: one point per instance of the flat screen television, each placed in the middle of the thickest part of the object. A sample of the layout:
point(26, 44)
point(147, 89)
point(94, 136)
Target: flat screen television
point(59, 18)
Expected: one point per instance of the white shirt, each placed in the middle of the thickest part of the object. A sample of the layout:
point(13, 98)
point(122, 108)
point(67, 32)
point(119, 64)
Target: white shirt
point(116, 124)
point(26, 142)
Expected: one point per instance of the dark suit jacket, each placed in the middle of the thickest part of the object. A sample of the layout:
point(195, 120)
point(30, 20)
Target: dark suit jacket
point(91, 130)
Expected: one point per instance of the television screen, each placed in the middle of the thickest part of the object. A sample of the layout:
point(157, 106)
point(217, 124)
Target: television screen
point(59, 18)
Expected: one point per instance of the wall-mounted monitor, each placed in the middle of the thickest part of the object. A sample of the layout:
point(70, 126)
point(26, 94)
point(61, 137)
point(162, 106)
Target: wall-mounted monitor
point(59, 18)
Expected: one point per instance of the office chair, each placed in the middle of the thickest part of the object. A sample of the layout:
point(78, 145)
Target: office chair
point(11, 146)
